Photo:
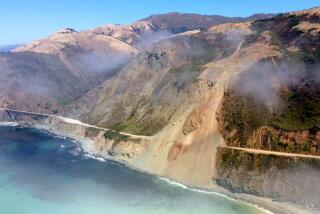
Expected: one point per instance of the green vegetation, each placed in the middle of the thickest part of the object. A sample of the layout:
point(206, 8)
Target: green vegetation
point(243, 114)
point(117, 137)
point(281, 27)
point(48, 105)
point(279, 23)
point(293, 20)
point(63, 102)
point(90, 131)
point(140, 128)
point(307, 146)
point(302, 111)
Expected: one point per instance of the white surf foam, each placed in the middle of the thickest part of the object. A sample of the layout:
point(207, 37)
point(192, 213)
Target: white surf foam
point(9, 124)
point(90, 156)
point(170, 182)
point(76, 151)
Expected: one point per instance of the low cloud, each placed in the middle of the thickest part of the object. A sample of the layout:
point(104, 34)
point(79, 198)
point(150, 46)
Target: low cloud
point(148, 38)
point(264, 80)
point(99, 62)
point(39, 86)
point(235, 36)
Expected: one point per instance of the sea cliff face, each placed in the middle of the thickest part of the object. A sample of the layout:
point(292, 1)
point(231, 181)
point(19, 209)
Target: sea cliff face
point(281, 178)
point(106, 143)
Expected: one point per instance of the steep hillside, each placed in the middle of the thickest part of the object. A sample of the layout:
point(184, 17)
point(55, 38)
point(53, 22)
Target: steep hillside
point(49, 74)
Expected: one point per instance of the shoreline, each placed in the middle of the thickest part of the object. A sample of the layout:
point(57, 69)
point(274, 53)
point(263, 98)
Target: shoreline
point(265, 205)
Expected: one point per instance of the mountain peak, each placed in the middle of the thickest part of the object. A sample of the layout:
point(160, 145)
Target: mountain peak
point(67, 31)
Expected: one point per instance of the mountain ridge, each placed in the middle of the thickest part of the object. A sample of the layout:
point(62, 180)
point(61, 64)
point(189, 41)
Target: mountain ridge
point(84, 55)
point(176, 22)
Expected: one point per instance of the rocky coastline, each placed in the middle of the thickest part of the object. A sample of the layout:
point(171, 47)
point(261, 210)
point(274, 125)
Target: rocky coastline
point(129, 151)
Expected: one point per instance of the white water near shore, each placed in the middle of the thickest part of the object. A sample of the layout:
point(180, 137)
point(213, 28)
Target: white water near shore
point(170, 182)
point(9, 124)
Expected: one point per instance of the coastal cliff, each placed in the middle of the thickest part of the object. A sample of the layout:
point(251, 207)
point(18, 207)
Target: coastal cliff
point(282, 178)
point(106, 143)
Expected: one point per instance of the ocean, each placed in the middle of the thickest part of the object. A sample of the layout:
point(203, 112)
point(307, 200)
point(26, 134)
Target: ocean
point(43, 173)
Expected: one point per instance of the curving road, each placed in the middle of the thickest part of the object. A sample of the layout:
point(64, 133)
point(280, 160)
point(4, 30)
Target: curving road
point(73, 121)
point(77, 122)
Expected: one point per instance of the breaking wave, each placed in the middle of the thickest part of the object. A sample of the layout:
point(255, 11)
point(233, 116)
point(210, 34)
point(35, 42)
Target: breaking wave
point(180, 185)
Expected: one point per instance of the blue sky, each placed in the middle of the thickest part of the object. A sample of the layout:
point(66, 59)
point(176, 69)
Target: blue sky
point(25, 20)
